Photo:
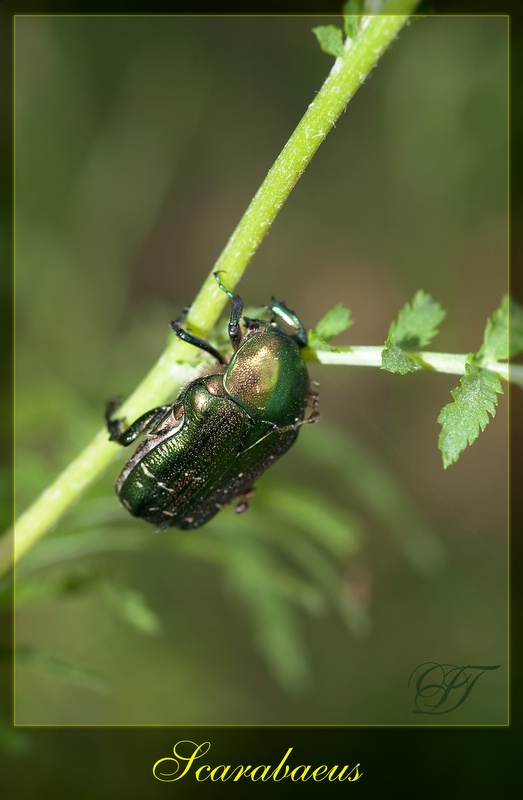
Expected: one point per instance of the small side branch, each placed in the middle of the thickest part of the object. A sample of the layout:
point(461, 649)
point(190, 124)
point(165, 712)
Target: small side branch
point(446, 363)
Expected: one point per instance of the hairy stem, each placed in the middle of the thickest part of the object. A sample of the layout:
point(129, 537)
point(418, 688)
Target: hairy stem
point(447, 363)
point(348, 73)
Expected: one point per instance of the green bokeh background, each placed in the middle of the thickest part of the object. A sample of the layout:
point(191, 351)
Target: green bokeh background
point(139, 143)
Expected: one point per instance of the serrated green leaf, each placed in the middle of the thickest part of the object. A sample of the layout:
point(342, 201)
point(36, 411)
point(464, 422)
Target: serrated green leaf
point(461, 420)
point(495, 339)
point(334, 322)
point(393, 359)
point(133, 608)
point(352, 11)
point(316, 342)
point(416, 326)
point(330, 39)
point(417, 322)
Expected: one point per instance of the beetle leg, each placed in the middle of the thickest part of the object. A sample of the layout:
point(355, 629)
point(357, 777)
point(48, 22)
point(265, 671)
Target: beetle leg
point(234, 327)
point(243, 501)
point(190, 338)
point(313, 401)
point(279, 309)
point(184, 313)
point(125, 436)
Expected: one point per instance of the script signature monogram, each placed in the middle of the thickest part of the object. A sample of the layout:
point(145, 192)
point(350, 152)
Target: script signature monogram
point(441, 688)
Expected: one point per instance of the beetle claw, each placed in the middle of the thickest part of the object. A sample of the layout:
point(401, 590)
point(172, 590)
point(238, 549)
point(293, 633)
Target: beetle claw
point(243, 504)
point(313, 402)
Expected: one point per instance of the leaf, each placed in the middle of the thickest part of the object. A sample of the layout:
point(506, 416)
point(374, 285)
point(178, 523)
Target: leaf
point(64, 670)
point(311, 514)
point(462, 419)
point(83, 544)
point(312, 557)
point(416, 326)
point(394, 359)
point(132, 607)
point(352, 11)
point(330, 39)
point(251, 575)
point(417, 323)
point(503, 336)
point(495, 339)
point(334, 322)
point(316, 342)
point(345, 462)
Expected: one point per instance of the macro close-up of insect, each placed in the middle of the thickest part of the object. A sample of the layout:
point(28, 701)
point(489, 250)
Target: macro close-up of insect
point(335, 187)
point(224, 429)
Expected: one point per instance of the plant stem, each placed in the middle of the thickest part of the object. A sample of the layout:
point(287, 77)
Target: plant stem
point(345, 78)
point(447, 363)
point(348, 73)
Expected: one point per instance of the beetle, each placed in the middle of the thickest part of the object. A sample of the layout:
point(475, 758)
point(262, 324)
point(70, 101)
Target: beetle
point(224, 429)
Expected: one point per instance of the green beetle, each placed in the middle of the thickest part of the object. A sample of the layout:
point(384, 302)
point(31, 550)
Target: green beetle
point(224, 430)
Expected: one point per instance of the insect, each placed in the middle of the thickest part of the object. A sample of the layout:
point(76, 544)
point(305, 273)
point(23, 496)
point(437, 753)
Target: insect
point(225, 429)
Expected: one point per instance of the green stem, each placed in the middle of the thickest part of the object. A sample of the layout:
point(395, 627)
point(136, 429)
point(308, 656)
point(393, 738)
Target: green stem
point(447, 363)
point(346, 76)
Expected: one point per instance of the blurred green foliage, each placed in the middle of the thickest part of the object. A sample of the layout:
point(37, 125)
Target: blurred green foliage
point(139, 142)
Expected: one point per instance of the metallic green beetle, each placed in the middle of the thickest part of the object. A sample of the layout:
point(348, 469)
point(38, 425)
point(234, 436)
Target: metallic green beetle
point(224, 430)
